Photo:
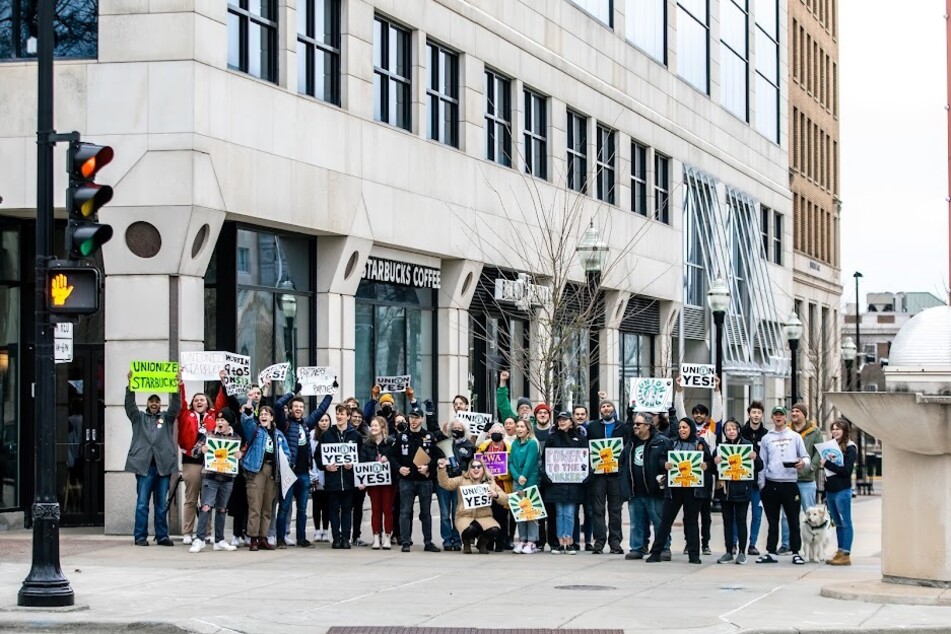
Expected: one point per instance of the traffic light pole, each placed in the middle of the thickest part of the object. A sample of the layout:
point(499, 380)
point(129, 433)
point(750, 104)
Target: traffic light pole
point(45, 585)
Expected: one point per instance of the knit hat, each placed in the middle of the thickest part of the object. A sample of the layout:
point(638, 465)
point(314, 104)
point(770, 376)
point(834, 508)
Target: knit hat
point(606, 401)
point(802, 408)
point(523, 401)
point(228, 415)
point(386, 398)
point(542, 406)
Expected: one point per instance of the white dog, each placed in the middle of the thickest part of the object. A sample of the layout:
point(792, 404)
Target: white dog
point(816, 533)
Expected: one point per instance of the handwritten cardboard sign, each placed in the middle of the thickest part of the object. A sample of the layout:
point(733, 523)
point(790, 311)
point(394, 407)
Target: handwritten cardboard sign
point(566, 465)
point(338, 453)
point(685, 470)
point(317, 380)
point(527, 505)
point(221, 455)
point(700, 375)
point(371, 474)
point(201, 365)
point(475, 421)
point(651, 394)
point(237, 373)
point(475, 496)
point(605, 453)
point(154, 376)
point(395, 383)
point(496, 462)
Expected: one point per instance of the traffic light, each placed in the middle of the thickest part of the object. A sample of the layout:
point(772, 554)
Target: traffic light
point(84, 198)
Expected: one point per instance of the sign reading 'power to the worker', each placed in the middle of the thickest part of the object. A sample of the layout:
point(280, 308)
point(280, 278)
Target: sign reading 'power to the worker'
point(72, 290)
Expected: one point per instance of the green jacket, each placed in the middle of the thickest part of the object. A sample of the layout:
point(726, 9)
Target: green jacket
point(523, 461)
point(505, 405)
point(810, 436)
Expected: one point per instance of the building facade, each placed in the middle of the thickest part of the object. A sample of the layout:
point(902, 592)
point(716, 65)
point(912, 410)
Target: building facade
point(379, 186)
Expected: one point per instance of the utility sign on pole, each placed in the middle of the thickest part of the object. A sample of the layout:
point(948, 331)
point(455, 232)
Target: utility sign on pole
point(63, 343)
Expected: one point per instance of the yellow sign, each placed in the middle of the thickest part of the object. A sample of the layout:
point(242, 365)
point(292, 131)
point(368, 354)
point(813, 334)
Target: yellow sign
point(60, 289)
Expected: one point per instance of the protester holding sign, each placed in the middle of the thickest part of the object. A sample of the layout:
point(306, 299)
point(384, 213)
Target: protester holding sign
point(319, 500)
point(736, 494)
point(216, 485)
point(604, 492)
point(496, 446)
point(839, 491)
point(260, 464)
point(338, 478)
point(642, 482)
point(566, 496)
point(480, 523)
point(380, 447)
point(152, 458)
point(523, 467)
point(462, 451)
point(416, 454)
point(681, 497)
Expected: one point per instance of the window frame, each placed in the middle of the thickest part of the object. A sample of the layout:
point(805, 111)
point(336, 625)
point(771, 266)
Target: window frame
point(639, 153)
point(629, 36)
point(706, 27)
point(662, 188)
point(247, 18)
point(317, 47)
point(437, 99)
point(390, 77)
point(577, 159)
point(774, 131)
point(743, 56)
point(605, 170)
point(535, 104)
point(496, 122)
point(778, 222)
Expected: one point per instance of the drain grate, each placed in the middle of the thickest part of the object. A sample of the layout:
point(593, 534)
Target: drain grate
point(457, 630)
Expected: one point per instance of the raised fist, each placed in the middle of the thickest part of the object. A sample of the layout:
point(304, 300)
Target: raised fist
point(375, 392)
point(410, 393)
point(504, 376)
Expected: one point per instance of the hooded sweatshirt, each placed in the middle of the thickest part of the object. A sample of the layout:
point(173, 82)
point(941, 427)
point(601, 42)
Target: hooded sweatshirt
point(778, 447)
point(810, 436)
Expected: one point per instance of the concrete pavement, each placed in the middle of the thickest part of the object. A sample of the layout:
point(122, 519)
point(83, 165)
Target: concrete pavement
point(298, 590)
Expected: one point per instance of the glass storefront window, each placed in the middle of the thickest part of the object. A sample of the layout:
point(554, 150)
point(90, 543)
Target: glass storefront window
point(496, 344)
point(9, 403)
point(636, 361)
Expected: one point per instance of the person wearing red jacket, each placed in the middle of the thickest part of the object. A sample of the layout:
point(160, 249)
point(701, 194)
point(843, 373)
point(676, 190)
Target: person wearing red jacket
point(197, 419)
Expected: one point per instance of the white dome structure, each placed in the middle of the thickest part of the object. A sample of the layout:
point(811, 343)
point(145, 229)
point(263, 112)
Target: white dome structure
point(920, 357)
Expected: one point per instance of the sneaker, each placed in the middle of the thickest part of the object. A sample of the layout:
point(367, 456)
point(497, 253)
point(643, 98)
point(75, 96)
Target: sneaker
point(186, 539)
point(272, 541)
point(665, 555)
point(197, 546)
point(706, 551)
point(768, 558)
point(530, 549)
point(359, 542)
point(752, 550)
point(725, 559)
point(694, 560)
point(796, 559)
point(596, 551)
point(685, 550)
point(588, 547)
point(741, 558)
point(519, 548)
point(305, 544)
point(290, 541)
point(141, 542)
point(224, 545)
point(165, 541)
point(783, 550)
point(281, 544)
point(236, 542)
point(653, 559)
point(406, 548)
point(575, 547)
point(634, 554)
point(573, 551)
point(558, 550)
point(617, 550)
point(431, 548)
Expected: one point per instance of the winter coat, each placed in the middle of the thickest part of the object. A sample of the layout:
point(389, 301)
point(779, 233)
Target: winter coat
point(481, 515)
point(153, 437)
point(192, 424)
point(563, 492)
point(523, 461)
point(258, 438)
point(342, 478)
point(692, 443)
point(372, 452)
point(504, 481)
point(295, 431)
point(811, 436)
point(842, 479)
point(596, 431)
point(407, 444)
point(654, 457)
point(740, 490)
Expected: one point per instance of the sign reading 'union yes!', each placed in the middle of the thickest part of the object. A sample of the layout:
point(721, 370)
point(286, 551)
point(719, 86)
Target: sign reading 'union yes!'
point(402, 273)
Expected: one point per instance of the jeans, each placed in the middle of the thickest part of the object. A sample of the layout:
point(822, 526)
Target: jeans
point(527, 531)
point(409, 490)
point(215, 494)
point(155, 486)
point(604, 494)
point(840, 508)
point(565, 519)
point(300, 491)
point(642, 509)
point(757, 511)
point(807, 498)
point(448, 503)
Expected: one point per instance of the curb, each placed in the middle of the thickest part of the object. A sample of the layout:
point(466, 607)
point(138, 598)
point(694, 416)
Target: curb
point(49, 623)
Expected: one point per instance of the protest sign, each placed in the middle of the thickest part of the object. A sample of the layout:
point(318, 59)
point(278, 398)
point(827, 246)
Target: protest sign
point(371, 474)
point(397, 383)
point(736, 462)
point(288, 477)
point(317, 380)
point(651, 395)
point(697, 375)
point(475, 496)
point(237, 373)
point(831, 451)
point(154, 376)
point(338, 453)
point(566, 465)
point(475, 421)
point(221, 455)
point(496, 462)
point(201, 366)
point(276, 372)
point(527, 505)
point(686, 471)
point(605, 453)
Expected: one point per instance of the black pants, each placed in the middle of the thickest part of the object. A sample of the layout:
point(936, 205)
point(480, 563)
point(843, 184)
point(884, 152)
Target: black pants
point(397, 509)
point(735, 511)
point(547, 530)
point(359, 497)
point(320, 508)
point(785, 496)
point(680, 497)
point(604, 492)
point(502, 515)
point(475, 530)
point(705, 520)
point(341, 513)
point(409, 491)
point(238, 506)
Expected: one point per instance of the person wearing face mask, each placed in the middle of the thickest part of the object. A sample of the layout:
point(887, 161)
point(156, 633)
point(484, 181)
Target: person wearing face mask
point(462, 453)
point(261, 464)
point(603, 490)
point(496, 444)
point(198, 418)
point(385, 405)
point(753, 431)
point(480, 523)
point(399, 423)
point(416, 480)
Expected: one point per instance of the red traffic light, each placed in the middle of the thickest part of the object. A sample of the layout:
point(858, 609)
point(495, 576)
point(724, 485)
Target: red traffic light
point(86, 159)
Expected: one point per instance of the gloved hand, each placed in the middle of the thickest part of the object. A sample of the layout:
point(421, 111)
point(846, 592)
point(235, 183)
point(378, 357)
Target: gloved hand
point(297, 387)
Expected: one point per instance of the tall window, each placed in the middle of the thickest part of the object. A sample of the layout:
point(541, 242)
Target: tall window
point(661, 188)
point(75, 28)
point(734, 57)
point(252, 37)
point(536, 135)
point(767, 68)
point(604, 167)
point(603, 10)
point(442, 95)
point(693, 43)
point(645, 25)
point(498, 118)
point(765, 218)
point(391, 74)
point(577, 152)
point(777, 238)
point(638, 178)
point(318, 49)
point(636, 360)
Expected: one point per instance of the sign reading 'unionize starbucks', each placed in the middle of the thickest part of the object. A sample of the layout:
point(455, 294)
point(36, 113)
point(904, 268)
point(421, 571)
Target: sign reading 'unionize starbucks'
point(402, 273)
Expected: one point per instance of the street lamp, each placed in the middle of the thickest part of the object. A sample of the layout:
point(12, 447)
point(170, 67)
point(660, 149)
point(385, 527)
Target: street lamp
point(860, 476)
point(593, 254)
point(849, 351)
point(793, 331)
point(289, 308)
point(718, 300)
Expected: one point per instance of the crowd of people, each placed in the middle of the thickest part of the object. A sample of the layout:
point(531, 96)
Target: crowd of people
point(282, 465)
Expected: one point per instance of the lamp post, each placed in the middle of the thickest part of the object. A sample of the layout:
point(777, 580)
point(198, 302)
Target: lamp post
point(848, 355)
point(793, 331)
point(289, 308)
point(718, 300)
point(593, 253)
point(858, 376)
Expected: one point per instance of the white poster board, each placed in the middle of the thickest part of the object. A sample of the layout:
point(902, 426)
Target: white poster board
point(371, 474)
point(566, 465)
point(651, 394)
point(338, 453)
point(475, 496)
point(288, 477)
point(475, 421)
point(396, 383)
point(317, 380)
point(201, 366)
point(237, 373)
point(276, 372)
point(698, 375)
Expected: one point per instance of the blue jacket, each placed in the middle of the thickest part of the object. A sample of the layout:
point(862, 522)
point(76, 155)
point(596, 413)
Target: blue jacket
point(292, 427)
point(257, 437)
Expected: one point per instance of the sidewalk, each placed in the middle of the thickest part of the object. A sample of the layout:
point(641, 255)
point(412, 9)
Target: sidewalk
point(298, 590)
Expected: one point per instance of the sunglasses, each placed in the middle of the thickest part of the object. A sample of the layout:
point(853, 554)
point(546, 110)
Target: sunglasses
point(475, 466)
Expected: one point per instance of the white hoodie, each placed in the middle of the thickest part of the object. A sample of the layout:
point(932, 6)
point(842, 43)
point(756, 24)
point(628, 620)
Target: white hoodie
point(776, 448)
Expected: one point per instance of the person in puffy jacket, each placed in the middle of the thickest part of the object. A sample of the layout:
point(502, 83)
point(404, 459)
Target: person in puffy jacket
point(479, 522)
point(261, 463)
point(380, 447)
point(338, 478)
point(566, 496)
point(735, 503)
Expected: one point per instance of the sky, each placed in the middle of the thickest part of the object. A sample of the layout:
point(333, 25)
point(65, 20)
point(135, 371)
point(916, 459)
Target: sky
point(893, 145)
